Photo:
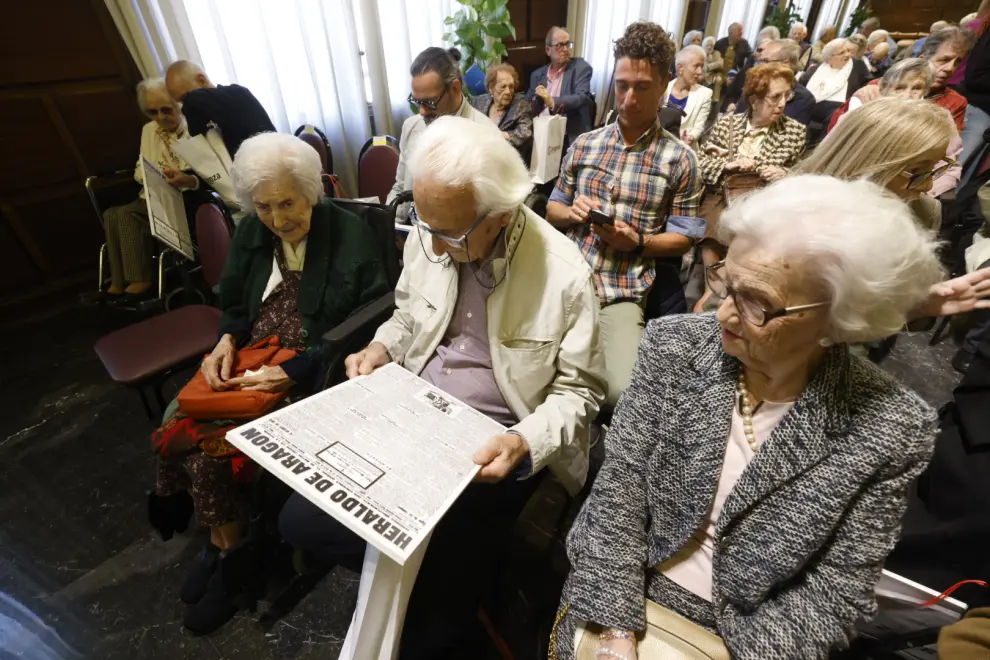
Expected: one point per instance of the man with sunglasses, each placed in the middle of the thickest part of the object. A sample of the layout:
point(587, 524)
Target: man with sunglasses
point(563, 86)
point(437, 90)
point(498, 309)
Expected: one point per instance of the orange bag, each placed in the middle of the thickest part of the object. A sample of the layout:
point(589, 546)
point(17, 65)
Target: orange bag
point(198, 400)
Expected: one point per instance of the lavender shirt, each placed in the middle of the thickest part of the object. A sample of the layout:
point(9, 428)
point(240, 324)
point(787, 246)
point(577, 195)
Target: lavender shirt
point(462, 365)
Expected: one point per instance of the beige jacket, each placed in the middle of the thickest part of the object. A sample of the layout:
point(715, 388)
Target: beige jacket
point(544, 339)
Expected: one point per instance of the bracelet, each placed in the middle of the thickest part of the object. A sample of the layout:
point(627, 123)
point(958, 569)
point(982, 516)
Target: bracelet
point(600, 651)
point(613, 633)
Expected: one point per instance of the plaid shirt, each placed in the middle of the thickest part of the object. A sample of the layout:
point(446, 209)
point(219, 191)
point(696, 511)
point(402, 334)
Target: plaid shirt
point(654, 186)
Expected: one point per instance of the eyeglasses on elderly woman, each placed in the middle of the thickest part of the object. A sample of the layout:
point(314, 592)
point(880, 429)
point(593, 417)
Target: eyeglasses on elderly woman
point(918, 179)
point(751, 311)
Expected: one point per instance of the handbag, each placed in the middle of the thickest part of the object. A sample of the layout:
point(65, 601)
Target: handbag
point(197, 400)
point(668, 636)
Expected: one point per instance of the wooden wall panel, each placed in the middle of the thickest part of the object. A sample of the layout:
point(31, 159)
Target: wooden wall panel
point(67, 111)
point(918, 15)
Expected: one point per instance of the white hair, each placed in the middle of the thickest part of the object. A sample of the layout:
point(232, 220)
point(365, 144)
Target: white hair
point(858, 240)
point(768, 32)
point(938, 25)
point(268, 156)
point(832, 47)
point(150, 85)
point(691, 36)
point(688, 51)
point(457, 152)
point(968, 18)
point(798, 26)
point(706, 41)
point(877, 35)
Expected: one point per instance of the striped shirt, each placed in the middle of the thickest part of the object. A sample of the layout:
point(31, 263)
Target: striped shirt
point(653, 185)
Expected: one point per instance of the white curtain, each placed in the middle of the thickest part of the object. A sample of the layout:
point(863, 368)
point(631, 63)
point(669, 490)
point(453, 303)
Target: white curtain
point(803, 7)
point(831, 13)
point(748, 12)
point(300, 58)
point(604, 21)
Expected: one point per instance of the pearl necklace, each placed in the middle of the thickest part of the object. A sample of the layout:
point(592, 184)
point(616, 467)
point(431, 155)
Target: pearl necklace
point(746, 409)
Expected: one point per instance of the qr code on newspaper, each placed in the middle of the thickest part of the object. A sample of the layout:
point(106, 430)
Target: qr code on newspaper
point(439, 402)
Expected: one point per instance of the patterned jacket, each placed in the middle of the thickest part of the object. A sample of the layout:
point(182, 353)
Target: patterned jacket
point(782, 146)
point(803, 536)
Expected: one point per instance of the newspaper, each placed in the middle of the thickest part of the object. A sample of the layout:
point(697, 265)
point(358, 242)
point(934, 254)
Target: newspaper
point(901, 614)
point(386, 454)
point(167, 211)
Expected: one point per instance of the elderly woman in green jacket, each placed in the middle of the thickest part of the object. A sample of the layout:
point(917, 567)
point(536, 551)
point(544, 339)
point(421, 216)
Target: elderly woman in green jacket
point(298, 266)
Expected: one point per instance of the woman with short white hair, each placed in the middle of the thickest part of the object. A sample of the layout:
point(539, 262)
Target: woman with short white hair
point(768, 32)
point(298, 266)
point(757, 472)
point(836, 79)
point(687, 94)
point(692, 38)
point(714, 65)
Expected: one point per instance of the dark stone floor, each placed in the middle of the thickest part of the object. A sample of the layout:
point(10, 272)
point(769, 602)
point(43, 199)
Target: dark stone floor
point(81, 573)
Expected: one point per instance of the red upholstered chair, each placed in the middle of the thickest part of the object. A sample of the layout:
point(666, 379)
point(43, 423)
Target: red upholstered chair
point(377, 164)
point(147, 353)
point(315, 138)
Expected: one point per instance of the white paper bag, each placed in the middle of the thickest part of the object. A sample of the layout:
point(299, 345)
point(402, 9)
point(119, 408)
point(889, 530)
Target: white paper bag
point(548, 147)
point(207, 156)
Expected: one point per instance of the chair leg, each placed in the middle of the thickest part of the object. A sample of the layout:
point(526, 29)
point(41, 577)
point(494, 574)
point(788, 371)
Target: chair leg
point(943, 323)
point(156, 387)
point(144, 402)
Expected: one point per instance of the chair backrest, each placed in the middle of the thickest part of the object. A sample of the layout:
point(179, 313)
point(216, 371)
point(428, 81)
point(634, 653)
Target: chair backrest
point(377, 165)
point(315, 138)
point(381, 219)
point(213, 236)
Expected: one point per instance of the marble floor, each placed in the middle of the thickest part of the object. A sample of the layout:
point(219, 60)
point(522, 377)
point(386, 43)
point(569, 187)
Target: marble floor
point(83, 576)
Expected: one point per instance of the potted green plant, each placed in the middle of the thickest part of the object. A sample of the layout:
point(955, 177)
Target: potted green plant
point(782, 16)
point(477, 30)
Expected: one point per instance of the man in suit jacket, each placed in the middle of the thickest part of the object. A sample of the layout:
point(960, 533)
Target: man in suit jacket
point(740, 47)
point(234, 109)
point(563, 86)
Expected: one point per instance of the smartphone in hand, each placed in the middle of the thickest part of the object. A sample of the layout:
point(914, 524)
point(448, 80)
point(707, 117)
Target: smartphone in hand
point(599, 218)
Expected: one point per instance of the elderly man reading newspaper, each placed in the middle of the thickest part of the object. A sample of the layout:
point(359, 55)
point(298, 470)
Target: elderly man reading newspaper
point(498, 309)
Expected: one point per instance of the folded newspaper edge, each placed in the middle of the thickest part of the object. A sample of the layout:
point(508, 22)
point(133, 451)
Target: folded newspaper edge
point(281, 451)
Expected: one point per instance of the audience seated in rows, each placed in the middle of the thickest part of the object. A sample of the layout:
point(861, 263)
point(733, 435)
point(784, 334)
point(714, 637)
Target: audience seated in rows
point(756, 475)
point(734, 51)
point(128, 232)
point(837, 78)
point(437, 90)
point(920, 43)
point(563, 87)
point(298, 266)
point(799, 35)
point(944, 51)
point(828, 34)
point(912, 79)
point(231, 108)
point(800, 105)
point(714, 68)
point(510, 111)
point(686, 93)
point(735, 88)
point(647, 184)
point(497, 308)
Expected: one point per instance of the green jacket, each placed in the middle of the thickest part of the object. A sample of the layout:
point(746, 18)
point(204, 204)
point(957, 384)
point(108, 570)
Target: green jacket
point(343, 271)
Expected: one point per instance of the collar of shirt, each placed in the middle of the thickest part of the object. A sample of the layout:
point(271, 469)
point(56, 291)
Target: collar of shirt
point(553, 74)
point(752, 131)
point(465, 109)
point(642, 140)
point(295, 257)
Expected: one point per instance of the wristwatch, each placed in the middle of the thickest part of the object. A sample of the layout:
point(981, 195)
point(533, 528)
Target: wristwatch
point(638, 250)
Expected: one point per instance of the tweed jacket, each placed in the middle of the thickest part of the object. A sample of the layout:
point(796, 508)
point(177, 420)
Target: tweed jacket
point(802, 538)
point(517, 122)
point(782, 146)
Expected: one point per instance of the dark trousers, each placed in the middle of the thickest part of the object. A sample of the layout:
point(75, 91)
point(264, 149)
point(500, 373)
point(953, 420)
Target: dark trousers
point(459, 571)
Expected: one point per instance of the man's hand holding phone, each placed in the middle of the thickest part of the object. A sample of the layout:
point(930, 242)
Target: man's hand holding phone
point(581, 209)
point(599, 218)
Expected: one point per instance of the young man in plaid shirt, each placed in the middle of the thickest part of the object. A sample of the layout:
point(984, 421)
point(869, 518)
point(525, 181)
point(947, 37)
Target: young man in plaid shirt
point(647, 181)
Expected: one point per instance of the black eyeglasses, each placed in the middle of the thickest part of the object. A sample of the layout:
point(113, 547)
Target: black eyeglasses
point(563, 45)
point(918, 179)
point(750, 311)
point(429, 104)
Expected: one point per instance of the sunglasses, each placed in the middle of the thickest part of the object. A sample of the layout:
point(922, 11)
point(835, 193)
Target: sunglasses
point(429, 104)
point(918, 179)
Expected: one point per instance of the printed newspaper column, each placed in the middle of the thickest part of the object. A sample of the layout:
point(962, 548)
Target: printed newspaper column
point(386, 455)
point(166, 211)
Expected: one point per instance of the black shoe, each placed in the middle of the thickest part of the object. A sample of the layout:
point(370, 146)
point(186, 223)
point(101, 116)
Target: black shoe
point(194, 586)
point(170, 513)
point(961, 360)
point(236, 584)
